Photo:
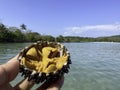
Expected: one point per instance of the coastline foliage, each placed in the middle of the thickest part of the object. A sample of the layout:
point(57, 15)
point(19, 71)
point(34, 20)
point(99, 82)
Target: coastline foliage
point(22, 34)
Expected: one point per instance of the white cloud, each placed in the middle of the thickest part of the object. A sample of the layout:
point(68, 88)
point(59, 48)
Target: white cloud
point(114, 28)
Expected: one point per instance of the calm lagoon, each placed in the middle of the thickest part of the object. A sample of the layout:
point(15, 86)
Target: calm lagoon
point(95, 65)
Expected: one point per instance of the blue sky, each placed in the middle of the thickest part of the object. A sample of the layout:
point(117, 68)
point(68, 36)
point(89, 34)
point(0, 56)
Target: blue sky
point(87, 18)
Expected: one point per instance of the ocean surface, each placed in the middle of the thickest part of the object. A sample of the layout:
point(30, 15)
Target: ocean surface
point(95, 65)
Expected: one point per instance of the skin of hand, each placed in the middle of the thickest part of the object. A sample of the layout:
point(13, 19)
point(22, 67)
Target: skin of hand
point(9, 71)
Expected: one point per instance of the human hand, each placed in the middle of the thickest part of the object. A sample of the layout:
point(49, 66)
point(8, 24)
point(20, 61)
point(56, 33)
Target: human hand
point(9, 71)
point(52, 85)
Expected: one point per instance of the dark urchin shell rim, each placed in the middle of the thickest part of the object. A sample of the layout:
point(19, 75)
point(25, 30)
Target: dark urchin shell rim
point(41, 77)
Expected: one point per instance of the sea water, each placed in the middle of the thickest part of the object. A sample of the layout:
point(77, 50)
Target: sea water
point(95, 65)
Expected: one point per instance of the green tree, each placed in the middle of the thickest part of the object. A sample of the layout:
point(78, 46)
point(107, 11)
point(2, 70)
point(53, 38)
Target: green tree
point(32, 36)
point(5, 34)
point(48, 38)
point(60, 38)
point(19, 36)
point(2, 27)
point(23, 27)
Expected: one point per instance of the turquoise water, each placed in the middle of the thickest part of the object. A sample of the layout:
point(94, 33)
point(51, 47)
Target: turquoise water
point(95, 66)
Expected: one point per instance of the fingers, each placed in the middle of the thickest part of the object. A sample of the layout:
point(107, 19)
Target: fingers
point(12, 68)
point(52, 85)
point(57, 85)
point(9, 70)
point(27, 85)
point(24, 85)
point(3, 75)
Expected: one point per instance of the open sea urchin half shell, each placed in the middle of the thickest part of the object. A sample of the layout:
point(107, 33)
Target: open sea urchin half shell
point(44, 61)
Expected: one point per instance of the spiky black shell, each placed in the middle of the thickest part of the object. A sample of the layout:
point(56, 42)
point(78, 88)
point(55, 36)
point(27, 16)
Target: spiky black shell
point(43, 61)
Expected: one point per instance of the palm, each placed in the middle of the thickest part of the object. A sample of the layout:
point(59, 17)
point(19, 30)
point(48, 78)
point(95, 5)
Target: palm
point(23, 27)
point(9, 71)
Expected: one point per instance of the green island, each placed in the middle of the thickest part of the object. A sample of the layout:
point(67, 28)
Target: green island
point(22, 34)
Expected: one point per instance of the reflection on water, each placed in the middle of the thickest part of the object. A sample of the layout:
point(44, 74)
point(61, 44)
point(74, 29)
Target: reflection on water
point(95, 66)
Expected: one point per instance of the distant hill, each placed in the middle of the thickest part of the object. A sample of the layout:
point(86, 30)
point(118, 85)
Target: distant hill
point(22, 34)
point(114, 38)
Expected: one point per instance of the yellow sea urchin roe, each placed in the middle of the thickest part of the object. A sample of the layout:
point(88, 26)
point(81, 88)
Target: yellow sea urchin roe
point(32, 51)
point(47, 50)
point(50, 68)
point(47, 62)
point(53, 63)
point(61, 61)
point(39, 66)
point(28, 64)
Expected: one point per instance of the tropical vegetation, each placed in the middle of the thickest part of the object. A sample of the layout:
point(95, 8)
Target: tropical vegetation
point(22, 34)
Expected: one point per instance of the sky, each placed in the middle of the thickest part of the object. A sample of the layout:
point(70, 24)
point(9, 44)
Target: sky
point(85, 18)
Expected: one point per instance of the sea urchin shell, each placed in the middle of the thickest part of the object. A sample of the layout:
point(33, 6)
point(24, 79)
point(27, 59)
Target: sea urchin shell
point(44, 61)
